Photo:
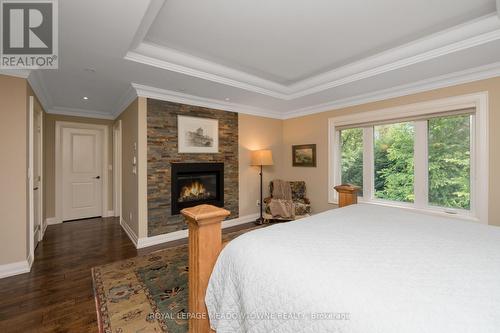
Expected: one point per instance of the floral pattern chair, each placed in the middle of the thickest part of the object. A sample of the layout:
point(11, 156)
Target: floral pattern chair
point(301, 202)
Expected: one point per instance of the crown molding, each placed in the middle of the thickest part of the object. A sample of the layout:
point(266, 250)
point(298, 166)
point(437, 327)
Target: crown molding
point(147, 20)
point(443, 81)
point(470, 34)
point(165, 58)
point(75, 112)
point(182, 98)
point(135, 90)
point(474, 33)
point(36, 82)
point(21, 73)
point(128, 97)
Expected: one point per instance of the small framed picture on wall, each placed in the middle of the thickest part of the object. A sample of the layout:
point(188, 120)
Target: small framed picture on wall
point(304, 155)
point(197, 135)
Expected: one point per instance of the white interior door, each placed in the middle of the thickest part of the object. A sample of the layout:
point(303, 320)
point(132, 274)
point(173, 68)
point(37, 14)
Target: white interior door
point(37, 176)
point(117, 158)
point(82, 152)
point(31, 184)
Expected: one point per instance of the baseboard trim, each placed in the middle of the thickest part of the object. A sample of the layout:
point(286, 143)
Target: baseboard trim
point(52, 220)
point(30, 261)
point(160, 239)
point(176, 235)
point(130, 233)
point(15, 268)
point(110, 213)
point(240, 220)
point(44, 229)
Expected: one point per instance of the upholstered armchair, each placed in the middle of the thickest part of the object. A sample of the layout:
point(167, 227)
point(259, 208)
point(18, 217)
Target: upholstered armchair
point(301, 202)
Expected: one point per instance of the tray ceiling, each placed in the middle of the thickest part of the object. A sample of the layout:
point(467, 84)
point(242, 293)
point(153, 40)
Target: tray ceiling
point(288, 41)
point(274, 58)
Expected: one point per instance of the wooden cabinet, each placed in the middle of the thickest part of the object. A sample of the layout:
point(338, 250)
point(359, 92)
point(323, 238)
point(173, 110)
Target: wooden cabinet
point(348, 194)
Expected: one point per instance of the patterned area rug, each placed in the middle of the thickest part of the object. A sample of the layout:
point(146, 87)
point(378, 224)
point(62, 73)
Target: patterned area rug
point(146, 293)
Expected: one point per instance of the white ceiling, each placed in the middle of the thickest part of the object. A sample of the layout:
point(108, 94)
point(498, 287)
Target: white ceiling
point(276, 58)
point(287, 41)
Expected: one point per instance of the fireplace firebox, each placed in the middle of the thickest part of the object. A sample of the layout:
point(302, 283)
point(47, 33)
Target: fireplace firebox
point(197, 183)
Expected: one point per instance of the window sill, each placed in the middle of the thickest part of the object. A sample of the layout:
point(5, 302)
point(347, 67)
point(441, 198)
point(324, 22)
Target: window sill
point(409, 207)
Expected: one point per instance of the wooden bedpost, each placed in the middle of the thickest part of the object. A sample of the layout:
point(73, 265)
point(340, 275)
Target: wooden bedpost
point(348, 194)
point(205, 244)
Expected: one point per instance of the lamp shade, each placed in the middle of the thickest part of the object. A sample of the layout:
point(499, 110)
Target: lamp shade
point(262, 157)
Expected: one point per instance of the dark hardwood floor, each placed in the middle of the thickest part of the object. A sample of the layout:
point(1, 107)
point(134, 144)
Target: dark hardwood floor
point(57, 295)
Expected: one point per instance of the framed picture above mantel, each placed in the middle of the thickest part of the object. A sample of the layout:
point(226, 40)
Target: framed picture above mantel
point(197, 135)
point(304, 155)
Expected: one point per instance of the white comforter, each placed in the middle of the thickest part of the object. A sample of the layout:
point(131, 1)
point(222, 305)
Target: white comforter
point(360, 269)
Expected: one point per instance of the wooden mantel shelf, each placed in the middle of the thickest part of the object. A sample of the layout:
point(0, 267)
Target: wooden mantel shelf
point(205, 244)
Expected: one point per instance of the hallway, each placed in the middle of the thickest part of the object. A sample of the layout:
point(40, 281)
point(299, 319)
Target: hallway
point(57, 296)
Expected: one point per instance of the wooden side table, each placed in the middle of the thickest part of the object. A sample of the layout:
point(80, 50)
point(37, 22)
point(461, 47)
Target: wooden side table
point(348, 194)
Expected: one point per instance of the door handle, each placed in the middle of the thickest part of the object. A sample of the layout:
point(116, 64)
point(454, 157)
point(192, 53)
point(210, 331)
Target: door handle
point(36, 188)
point(98, 177)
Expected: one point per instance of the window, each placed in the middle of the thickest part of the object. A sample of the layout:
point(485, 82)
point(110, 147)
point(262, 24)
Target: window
point(393, 153)
point(425, 157)
point(449, 161)
point(351, 141)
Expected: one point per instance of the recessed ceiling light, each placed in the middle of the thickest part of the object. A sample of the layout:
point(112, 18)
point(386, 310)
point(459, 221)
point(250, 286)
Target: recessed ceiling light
point(227, 99)
point(89, 69)
point(85, 98)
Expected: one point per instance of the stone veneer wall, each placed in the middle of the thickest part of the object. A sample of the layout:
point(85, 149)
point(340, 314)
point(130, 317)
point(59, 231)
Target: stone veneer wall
point(163, 150)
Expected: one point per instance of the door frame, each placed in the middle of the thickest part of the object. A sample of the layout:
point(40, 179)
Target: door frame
point(31, 205)
point(31, 178)
point(117, 168)
point(60, 125)
point(42, 223)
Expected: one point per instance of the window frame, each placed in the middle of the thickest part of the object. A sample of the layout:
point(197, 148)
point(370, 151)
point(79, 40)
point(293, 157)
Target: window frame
point(479, 162)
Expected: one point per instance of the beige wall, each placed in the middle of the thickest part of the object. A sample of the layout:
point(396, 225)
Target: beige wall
point(134, 186)
point(314, 129)
point(13, 175)
point(256, 133)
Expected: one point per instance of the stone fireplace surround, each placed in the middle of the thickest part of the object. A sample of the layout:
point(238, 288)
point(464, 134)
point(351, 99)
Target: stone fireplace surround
point(163, 151)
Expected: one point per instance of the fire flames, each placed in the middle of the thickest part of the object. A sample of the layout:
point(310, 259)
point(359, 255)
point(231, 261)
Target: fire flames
point(193, 191)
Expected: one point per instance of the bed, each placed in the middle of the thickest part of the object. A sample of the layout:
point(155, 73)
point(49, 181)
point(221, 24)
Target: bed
point(362, 268)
